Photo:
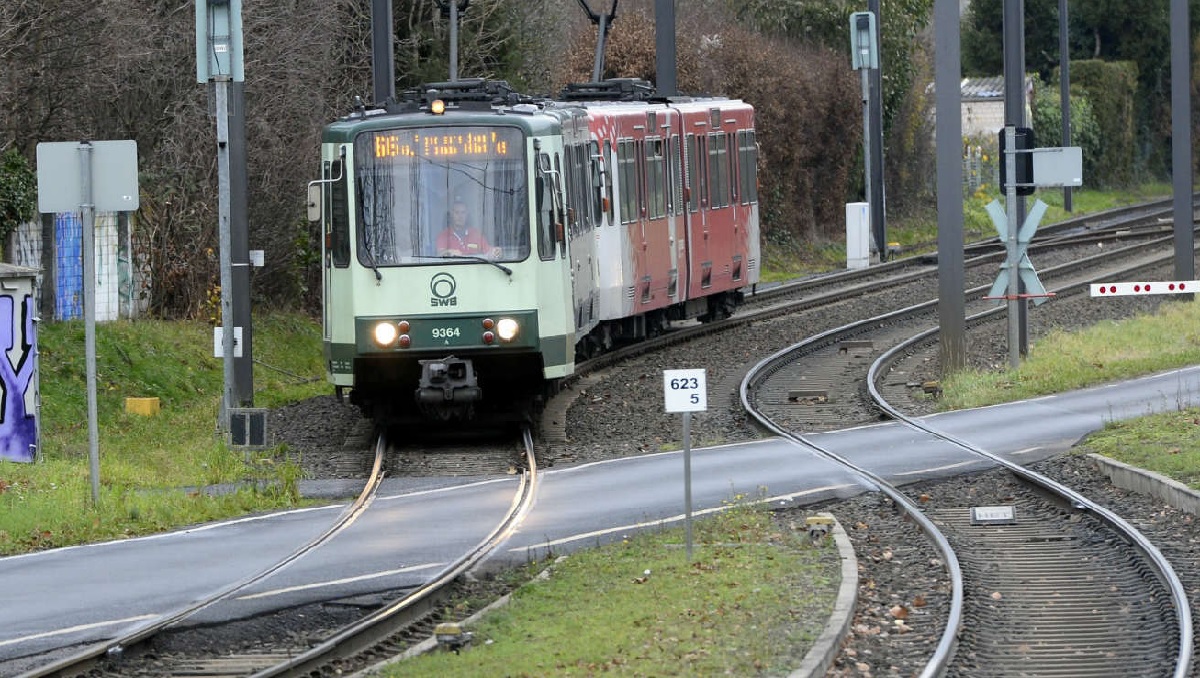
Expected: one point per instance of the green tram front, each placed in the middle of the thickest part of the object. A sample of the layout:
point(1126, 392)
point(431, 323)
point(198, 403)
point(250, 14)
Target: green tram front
point(446, 281)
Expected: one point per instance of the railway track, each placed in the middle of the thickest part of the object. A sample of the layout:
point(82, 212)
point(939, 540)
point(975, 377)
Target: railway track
point(1047, 582)
point(396, 462)
point(371, 631)
point(92, 658)
point(1125, 225)
point(1061, 586)
point(1084, 245)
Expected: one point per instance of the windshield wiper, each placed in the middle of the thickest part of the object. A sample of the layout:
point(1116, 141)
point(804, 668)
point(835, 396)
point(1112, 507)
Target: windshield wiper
point(372, 263)
point(471, 257)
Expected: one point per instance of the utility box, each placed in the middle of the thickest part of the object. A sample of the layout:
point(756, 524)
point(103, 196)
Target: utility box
point(20, 429)
point(248, 428)
point(858, 235)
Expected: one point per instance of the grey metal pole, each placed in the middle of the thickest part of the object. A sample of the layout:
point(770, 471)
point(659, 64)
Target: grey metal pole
point(877, 197)
point(1064, 87)
point(453, 40)
point(1014, 280)
point(664, 43)
point(239, 237)
point(221, 85)
point(1014, 116)
point(947, 76)
point(687, 482)
point(383, 67)
point(87, 214)
point(1181, 140)
point(866, 102)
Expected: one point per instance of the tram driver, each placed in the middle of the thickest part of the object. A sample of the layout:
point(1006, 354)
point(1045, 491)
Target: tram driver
point(461, 239)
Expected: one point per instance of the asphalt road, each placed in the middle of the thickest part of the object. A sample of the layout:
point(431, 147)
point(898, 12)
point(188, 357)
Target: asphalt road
point(90, 593)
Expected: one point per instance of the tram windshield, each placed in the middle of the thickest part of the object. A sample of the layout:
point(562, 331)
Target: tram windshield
point(428, 194)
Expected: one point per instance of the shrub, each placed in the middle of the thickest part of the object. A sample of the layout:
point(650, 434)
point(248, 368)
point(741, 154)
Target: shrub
point(1111, 89)
point(18, 192)
point(1085, 131)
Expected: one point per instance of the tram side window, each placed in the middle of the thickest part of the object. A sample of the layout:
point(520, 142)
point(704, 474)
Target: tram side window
point(628, 175)
point(719, 170)
point(639, 159)
point(608, 179)
point(560, 219)
point(732, 177)
point(690, 164)
point(571, 182)
point(338, 216)
point(656, 179)
point(543, 187)
point(582, 194)
point(702, 170)
point(597, 172)
point(748, 150)
point(675, 184)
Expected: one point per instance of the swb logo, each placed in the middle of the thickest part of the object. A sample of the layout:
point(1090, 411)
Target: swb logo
point(443, 286)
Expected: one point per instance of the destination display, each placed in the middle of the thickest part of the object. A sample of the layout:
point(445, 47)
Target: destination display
point(466, 143)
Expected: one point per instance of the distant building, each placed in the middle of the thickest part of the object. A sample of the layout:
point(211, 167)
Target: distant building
point(983, 105)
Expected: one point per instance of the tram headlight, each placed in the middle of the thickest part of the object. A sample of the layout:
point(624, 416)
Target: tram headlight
point(385, 334)
point(507, 329)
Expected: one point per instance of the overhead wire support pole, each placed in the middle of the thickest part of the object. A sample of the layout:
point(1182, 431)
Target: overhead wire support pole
point(1181, 140)
point(1064, 88)
point(226, 243)
point(664, 48)
point(383, 66)
point(453, 9)
point(453, 40)
point(947, 93)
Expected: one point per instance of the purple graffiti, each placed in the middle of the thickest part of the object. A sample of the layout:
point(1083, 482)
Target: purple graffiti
point(18, 430)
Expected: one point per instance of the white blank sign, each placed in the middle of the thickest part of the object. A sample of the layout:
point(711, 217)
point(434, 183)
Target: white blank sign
point(114, 176)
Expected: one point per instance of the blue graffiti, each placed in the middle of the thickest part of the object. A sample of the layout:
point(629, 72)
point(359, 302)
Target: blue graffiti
point(18, 430)
point(68, 288)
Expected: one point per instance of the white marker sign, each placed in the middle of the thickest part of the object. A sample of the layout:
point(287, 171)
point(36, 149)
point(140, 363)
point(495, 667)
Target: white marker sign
point(685, 390)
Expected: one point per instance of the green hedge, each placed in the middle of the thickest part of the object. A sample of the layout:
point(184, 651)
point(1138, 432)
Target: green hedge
point(1085, 130)
point(1111, 87)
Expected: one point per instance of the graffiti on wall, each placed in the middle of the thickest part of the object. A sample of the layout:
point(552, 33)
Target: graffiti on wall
point(18, 430)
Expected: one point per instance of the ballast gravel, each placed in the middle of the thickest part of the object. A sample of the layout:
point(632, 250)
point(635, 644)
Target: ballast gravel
point(619, 413)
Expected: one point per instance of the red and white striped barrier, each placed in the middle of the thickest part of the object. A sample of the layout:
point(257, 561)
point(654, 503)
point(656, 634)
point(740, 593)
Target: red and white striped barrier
point(1124, 289)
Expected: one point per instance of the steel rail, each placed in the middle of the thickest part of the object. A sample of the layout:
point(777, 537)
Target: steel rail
point(1163, 570)
point(764, 312)
point(944, 651)
point(381, 624)
point(113, 650)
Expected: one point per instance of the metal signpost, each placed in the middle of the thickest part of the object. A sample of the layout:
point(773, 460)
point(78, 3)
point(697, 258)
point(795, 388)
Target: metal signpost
point(88, 176)
point(685, 391)
point(1024, 169)
point(219, 61)
point(864, 57)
